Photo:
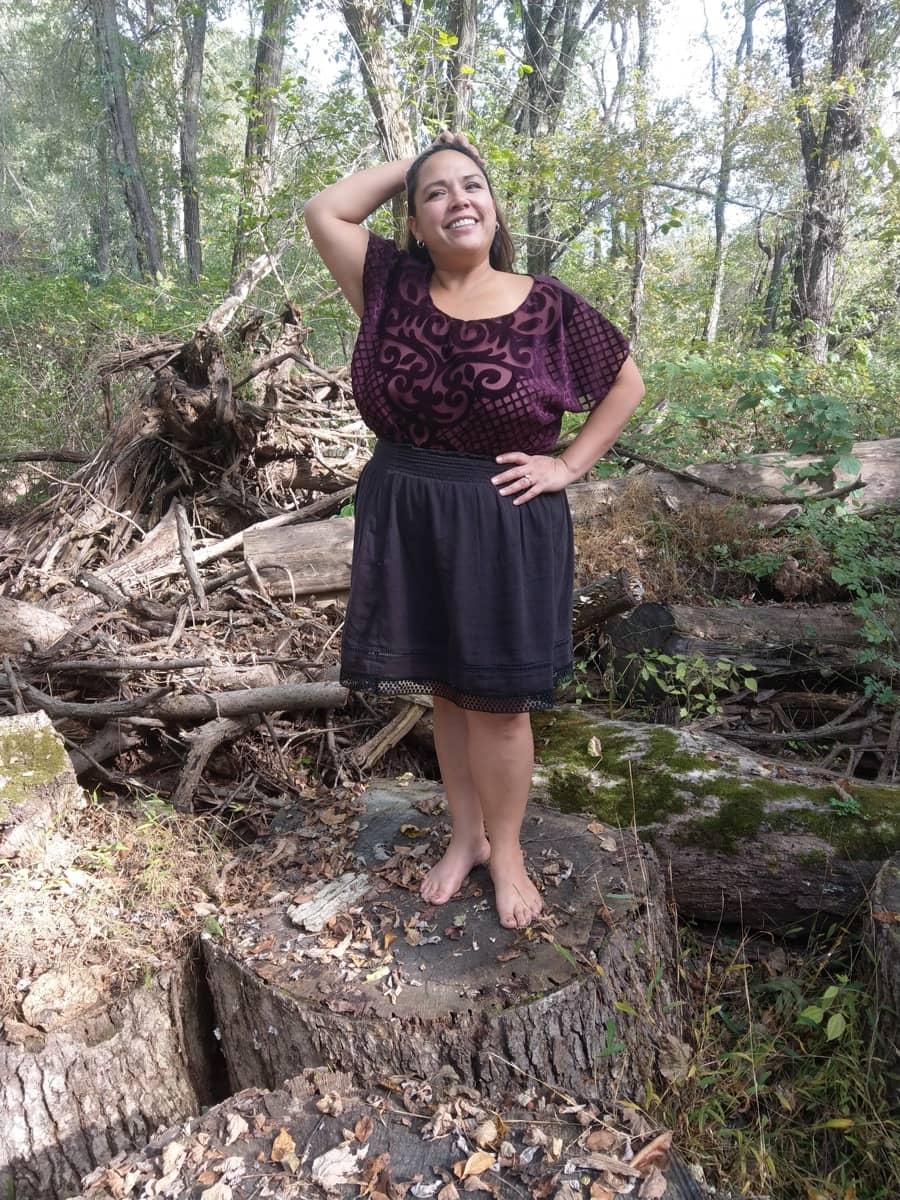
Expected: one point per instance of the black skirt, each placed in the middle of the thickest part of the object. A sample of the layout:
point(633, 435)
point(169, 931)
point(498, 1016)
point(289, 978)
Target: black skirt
point(455, 591)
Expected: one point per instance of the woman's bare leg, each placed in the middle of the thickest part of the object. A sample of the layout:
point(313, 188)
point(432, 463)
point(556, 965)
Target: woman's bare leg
point(468, 845)
point(501, 759)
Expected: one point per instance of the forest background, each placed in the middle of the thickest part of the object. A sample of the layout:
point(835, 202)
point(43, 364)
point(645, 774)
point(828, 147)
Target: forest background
point(723, 180)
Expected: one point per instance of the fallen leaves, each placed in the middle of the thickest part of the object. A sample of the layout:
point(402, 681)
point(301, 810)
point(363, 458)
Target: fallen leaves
point(475, 1164)
point(338, 1166)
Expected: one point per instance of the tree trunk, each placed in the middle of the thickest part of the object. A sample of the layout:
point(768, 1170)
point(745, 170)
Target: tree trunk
point(733, 116)
point(137, 200)
point(464, 27)
point(641, 117)
point(102, 231)
point(194, 34)
point(827, 146)
point(742, 838)
point(556, 1016)
point(779, 257)
point(262, 127)
point(365, 21)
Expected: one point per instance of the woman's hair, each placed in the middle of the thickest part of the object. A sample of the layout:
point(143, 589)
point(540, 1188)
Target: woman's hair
point(502, 253)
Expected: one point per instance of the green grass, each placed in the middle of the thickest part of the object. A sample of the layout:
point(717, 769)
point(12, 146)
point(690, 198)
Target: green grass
point(789, 1089)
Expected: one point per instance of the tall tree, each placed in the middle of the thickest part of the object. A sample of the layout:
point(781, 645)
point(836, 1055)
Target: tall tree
point(262, 127)
point(552, 32)
point(193, 30)
point(827, 142)
point(641, 236)
point(461, 67)
point(125, 146)
point(735, 108)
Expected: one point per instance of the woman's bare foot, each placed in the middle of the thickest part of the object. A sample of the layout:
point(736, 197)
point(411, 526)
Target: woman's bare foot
point(447, 876)
point(518, 900)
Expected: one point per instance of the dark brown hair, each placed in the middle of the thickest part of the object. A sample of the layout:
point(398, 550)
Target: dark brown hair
point(502, 252)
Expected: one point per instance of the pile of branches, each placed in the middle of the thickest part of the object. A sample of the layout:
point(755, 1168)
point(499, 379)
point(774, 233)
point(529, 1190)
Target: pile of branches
point(146, 605)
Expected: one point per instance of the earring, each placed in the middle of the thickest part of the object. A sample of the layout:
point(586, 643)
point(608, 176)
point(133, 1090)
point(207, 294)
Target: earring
point(420, 244)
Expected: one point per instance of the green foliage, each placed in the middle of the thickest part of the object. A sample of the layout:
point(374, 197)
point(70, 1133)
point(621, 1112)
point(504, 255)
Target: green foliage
point(787, 1089)
point(694, 683)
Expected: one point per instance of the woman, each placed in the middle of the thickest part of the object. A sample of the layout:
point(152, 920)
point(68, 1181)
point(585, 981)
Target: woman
point(462, 571)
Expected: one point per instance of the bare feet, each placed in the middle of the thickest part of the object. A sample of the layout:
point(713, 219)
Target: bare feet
point(447, 876)
point(518, 900)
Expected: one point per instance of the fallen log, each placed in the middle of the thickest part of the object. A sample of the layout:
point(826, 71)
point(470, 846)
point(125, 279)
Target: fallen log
point(765, 475)
point(597, 601)
point(303, 559)
point(26, 626)
point(743, 838)
point(777, 640)
point(37, 785)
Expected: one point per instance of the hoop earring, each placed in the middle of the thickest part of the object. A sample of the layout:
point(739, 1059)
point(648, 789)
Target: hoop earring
point(420, 244)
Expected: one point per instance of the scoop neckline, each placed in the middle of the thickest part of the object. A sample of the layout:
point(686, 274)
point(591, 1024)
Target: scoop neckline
point(479, 320)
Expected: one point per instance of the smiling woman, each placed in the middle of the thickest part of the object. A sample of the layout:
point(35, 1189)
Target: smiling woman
point(462, 570)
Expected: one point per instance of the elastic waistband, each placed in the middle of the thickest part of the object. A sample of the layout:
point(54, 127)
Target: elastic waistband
point(435, 464)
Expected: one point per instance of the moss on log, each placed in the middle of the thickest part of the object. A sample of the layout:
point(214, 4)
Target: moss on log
point(746, 837)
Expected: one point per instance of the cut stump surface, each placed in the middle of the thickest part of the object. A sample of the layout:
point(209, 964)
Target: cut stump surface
point(382, 984)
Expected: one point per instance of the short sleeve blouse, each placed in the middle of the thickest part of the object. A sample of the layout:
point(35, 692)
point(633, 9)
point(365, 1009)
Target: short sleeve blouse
point(484, 387)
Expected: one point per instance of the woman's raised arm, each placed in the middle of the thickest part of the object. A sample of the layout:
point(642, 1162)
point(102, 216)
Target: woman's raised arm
point(335, 218)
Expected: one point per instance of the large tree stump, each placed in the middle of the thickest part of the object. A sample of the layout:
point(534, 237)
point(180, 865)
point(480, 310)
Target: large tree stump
point(369, 979)
point(741, 837)
point(93, 1078)
point(86, 1069)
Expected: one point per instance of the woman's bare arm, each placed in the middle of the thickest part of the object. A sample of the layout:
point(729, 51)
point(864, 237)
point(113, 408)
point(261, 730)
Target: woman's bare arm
point(335, 218)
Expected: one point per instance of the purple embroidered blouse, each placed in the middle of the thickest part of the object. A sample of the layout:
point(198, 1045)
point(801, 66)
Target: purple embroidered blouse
point(423, 378)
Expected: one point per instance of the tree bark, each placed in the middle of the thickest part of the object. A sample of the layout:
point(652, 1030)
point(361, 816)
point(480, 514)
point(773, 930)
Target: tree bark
point(262, 128)
point(137, 199)
point(464, 27)
point(102, 1082)
point(827, 152)
point(193, 24)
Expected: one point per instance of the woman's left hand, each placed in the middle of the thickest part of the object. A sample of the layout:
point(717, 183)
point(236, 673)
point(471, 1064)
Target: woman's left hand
point(530, 475)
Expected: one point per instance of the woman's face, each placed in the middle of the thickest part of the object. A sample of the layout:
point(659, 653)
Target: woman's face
point(455, 213)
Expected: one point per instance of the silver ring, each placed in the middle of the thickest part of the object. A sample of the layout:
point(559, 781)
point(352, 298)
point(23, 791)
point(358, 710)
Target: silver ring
point(527, 478)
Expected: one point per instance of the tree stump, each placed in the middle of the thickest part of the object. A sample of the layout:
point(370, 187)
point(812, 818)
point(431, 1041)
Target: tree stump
point(318, 1135)
point(84, 1072)
point(367, 978)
